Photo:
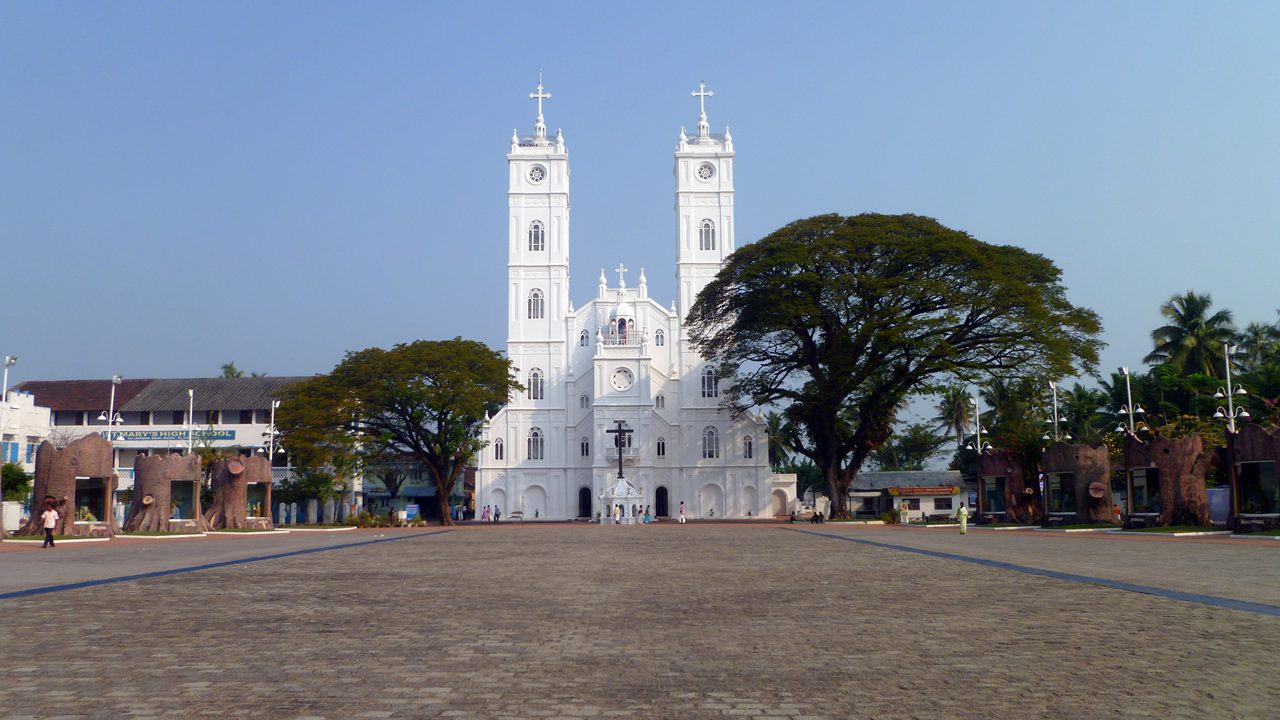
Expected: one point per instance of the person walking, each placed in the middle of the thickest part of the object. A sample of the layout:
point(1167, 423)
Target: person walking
point(617, 514)
point(963, 512)
point(484, 514)
point(50, 518)
point(497, 514)
point(681, 512)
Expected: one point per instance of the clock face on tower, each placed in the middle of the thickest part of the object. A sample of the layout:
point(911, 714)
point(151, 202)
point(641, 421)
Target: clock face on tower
point(622, 379)
point(537, 173)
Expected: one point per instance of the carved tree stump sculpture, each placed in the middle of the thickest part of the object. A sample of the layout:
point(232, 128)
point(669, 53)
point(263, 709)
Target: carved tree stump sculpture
point(153, 478)
point(1181, 464)
point(231, 479)
point(1091, 470)
point(56, 473)
point(1021, 496)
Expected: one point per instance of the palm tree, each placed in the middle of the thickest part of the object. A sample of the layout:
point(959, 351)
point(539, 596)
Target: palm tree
point(1192, 340)
point(229, 370)
point(780, 432)
point(1256, 341)
point(954, 412)
point(1084, 412)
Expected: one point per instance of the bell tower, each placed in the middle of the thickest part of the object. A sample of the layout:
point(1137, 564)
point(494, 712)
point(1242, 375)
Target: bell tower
point(538, 255)
point(704, 205)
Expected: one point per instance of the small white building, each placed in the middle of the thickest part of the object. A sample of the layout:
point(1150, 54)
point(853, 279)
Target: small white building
point(918, 495)
point(25, 425)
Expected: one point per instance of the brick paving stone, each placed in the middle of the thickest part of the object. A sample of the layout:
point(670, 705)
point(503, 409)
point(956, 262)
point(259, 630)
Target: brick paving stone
point(662, 621)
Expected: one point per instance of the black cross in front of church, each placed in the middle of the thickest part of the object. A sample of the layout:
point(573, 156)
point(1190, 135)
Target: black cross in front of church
point(619, 440)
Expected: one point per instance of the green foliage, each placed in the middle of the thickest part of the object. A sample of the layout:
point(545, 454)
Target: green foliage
point(841, 319)
point(424, 400)
point(308, 483)
point(16, 481)
point(1192, 340)
point(808, 477)
point(955, 412)
point(909, 448)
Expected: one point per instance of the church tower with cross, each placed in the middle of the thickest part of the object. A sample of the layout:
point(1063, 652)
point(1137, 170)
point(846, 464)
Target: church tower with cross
point(614, 386)
point(538, 255)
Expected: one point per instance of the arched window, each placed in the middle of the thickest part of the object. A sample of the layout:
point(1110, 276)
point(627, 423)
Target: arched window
point(660, 401)
point(747, 447)
point(707, 235)
point(537, 237)
point(499, 449)
point(659, 338)
point(536, 305)
point(583, 338)
point(662, 447)
point(710, 443)
point(535, 385)
point(586, 447)
point(535, 444)
point(584, 401)
point(710, 388)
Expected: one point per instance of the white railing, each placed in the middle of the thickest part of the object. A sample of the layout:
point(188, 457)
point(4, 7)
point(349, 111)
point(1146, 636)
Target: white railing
point(629, 454)
point(622, 340)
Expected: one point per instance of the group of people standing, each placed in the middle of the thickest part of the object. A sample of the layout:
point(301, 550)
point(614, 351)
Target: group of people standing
point(491, 516)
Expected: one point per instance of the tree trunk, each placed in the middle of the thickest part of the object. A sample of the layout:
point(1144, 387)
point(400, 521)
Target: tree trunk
point(56, 473)
point(442, 505)
point(837, 492)
point(153, 478)
point(1181, 464)
point(1091, 469)
point(231, 479)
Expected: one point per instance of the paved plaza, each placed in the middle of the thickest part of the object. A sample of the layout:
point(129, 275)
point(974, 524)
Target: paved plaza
point(671, 621)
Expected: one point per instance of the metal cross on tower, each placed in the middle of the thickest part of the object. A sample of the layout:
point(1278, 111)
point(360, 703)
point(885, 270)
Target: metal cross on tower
point(619, 440)
point(702, 94)
point(621, 270)
point(539, 96)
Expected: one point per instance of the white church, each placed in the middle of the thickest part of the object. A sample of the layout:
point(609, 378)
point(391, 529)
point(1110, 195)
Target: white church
point(622, 356)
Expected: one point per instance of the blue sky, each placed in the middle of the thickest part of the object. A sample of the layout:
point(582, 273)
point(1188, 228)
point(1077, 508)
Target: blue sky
point(278, 183)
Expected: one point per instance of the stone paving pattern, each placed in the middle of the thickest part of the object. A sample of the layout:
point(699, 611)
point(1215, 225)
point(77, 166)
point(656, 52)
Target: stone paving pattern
point(664, 621)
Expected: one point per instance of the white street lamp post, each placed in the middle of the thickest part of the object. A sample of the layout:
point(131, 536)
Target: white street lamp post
point(191, 418)
point(978, 445)
point(1232, 413)
point(1057, 418)
point(1131, 410)
point(271, 432)
point(112, 417)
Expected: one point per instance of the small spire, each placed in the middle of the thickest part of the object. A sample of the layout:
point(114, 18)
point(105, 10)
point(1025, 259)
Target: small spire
point(603, 279)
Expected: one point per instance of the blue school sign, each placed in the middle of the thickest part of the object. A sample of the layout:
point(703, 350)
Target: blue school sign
point(174, 435)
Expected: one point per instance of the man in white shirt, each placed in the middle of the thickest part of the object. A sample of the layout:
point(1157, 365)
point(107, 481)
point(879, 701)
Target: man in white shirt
point(50, 518)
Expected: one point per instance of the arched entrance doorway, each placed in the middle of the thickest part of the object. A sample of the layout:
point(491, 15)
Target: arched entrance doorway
point(660, 503)
point(584, 502)
point(779, 502)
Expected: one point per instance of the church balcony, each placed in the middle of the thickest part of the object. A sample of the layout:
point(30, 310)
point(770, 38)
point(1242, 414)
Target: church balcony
point(622, 340)
point(629, 454)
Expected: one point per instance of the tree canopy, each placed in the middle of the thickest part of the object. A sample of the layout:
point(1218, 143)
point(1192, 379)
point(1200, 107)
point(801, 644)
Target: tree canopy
point(423, 400)
point(840, 319)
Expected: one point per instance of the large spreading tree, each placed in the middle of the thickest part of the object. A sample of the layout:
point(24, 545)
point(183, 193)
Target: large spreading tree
point(424, 400)
point(841, 319)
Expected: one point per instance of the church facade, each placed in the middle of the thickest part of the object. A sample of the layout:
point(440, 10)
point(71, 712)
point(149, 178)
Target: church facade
point(622, 358)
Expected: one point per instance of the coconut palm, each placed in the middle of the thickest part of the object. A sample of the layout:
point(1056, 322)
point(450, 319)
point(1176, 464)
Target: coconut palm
point(781, 432)
point(1192, 340)
point(954, 412)
point(1256, 342)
